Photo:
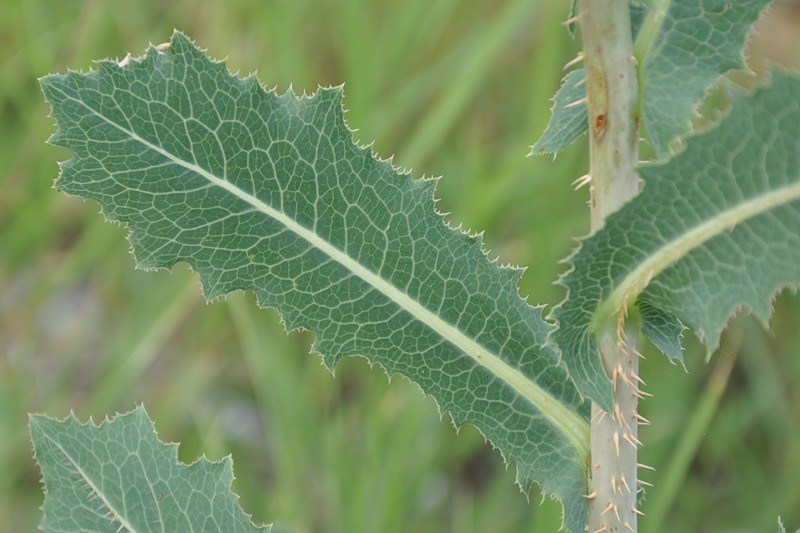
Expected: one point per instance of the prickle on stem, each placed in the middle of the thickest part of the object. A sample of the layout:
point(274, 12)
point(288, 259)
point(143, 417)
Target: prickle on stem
point(625, 483)
point(577, 59)
point(582, 181)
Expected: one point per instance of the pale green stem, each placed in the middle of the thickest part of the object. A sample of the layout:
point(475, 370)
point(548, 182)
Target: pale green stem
point(611, 88)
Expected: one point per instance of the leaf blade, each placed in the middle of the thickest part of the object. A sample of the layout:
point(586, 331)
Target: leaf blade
point(282, 202)
point(119, 477)
point(693, 45)
point(664, 329)
point(732, 187)
point(568, 116)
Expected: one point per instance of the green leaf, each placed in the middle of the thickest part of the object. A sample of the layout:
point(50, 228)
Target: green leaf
point(268, 192)
point(664, 330)
point(568, 120)
point(715, 228)
point(746, 265)
point(118, 477)
point(682, 50)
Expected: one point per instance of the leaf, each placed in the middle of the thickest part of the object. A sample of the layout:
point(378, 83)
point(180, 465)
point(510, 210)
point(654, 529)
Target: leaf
point(716, 228)
point(664, 330)
point(748, 264)
point(683, 50)
point(568, 120)
point(268, 192)
point(118, 477)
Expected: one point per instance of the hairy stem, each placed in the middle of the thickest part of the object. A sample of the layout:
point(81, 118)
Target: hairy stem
point(614, 148)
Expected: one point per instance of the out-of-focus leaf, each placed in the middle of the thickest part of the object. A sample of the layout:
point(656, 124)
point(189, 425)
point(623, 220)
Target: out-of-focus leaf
point(695, 41)
point(118, 477)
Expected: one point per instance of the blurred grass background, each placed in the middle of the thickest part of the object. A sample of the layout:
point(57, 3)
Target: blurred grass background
point(452, 88)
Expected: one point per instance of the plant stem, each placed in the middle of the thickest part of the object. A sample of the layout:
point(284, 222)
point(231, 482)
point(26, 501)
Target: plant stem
point(614, 153)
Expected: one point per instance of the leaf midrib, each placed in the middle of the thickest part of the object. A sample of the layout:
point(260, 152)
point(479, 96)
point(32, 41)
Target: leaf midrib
point(636, 281)
point(111, 509)
point(572, 425)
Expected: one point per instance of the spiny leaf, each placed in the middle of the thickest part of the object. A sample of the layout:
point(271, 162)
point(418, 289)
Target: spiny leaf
point(118, 477)
point(664, 330)
point(745, 265)
point(268, 192)
point(682, 51)
point(568, 120)
point(727, 210)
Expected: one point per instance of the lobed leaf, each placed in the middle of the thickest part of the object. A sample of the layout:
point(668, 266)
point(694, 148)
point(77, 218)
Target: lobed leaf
point(664, 330)
point(268, 192)
point(568, 120)
point(686, 45)
point(757, 190)
point(118, 477)
point(715, 228)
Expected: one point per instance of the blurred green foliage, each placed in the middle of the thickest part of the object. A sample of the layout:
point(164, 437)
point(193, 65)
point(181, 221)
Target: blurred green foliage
point(455, 89)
